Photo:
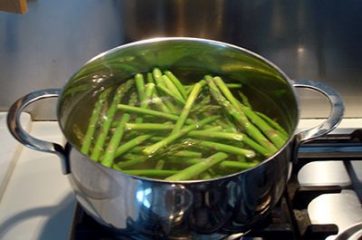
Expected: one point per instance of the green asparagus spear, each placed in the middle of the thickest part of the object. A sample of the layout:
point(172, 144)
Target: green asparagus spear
point(217, 134)
point(194, 170)
point(150, 150)
point(113, 144)
point(152, 173)
point(131, 144)
point(149, 90)
point(93, 121)
point(164, 106)
point(146, 97)
point(239, 137)
point(172, 88)
point(226, 164)
point(177, 83)
point(161, 103)
point(187, 153)
point(227, 148)
point(273, 135)
point(213, 128)
point(189, 102)
point(117, 136)
point(160, 151)
point(244, 99)
point(273, 123)
point(149, 126)
point(239, 116)
point(157, 76)
point(277, 139)
point(120, 92)
point(140, 85)
point(160, 164)
point(234, 85)
point(150, 78)
point(129, 163)
point(237, 165)
point(171, 94)
point(229, 85)
point(180, 153)
point(206, 110)
point(150, 112)
point(163, 115)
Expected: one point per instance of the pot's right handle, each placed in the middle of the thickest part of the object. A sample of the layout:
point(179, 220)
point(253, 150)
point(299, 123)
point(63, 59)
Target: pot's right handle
point(335, 117)
point(15, 128)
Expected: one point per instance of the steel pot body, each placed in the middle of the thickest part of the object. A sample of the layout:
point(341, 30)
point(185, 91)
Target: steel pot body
point(161, 209)
point(146, 208)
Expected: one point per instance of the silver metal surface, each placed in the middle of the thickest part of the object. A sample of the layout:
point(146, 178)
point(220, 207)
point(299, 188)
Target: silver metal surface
point(190, 209)
point(335, 117)
point(158, 209)
point(318, 40)
point(342, 209)
point(324, 173)
point(20, 134)
point(352, 233)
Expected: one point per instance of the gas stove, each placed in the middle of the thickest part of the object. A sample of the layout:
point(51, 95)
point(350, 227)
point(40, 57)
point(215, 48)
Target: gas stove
point(322, 199)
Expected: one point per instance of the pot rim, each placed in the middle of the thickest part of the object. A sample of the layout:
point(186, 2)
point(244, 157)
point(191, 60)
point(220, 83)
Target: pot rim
point(201, 40)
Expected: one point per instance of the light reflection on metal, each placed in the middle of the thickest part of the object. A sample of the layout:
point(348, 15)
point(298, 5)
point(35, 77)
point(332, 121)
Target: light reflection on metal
point(300, 50)
point(143, 197)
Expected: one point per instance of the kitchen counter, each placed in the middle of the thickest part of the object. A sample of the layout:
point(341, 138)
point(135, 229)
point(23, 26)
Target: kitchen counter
point(38, 203)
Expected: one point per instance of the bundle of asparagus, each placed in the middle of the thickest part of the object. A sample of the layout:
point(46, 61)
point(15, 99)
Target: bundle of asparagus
point(175, 132)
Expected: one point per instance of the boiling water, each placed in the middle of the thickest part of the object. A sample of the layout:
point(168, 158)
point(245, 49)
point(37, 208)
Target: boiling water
point(183, 151)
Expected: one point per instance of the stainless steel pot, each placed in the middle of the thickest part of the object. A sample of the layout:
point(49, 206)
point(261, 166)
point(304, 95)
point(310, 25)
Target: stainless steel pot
point(192, 209)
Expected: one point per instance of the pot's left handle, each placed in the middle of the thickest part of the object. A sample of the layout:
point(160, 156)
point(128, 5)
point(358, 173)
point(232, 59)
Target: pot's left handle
point(15, 128)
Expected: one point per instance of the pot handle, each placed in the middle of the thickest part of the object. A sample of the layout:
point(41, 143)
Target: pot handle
point(15, 128)
point(335, 117)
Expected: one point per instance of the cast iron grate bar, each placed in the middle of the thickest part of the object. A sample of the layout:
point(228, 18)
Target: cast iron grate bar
point(278, 225)
point(356, 183)
point(320, 231)
point(298, 199)
point(333, 147)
